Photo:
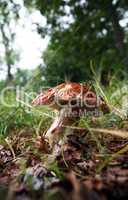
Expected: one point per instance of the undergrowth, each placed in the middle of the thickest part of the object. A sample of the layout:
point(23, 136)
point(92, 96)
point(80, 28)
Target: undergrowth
point(20, 118)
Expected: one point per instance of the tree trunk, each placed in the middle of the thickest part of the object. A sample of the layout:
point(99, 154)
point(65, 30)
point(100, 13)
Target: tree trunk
point(118, 31)
point(7, 54)
point(9, 74)
point(118, 35)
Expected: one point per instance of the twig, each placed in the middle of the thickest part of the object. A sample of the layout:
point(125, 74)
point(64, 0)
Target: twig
point(118, 133)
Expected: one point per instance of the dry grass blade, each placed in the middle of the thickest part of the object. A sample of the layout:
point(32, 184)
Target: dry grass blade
point(11, 149)
point(119, 133)
point(112, 157)
point(119, 113)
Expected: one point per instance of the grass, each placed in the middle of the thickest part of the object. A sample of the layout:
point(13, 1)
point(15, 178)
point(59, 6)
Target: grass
point(19, 116)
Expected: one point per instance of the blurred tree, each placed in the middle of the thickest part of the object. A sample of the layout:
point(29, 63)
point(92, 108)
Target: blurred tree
point(36, 81)
point(64, 64)
point(22, 76)
point(8, 14)
point(82, 31)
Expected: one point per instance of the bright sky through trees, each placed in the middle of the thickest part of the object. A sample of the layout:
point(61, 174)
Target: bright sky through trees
point(28, 42)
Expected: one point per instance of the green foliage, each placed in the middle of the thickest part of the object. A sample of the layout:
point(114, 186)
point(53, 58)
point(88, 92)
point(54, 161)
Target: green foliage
point(30, 80)
point(64, 64)
point(82, 31)
point(16, 116)
point(36, 81)
point(22, 77)
point(2, 84)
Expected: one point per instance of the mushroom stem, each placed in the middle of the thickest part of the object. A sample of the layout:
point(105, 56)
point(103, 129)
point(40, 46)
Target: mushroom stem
point(57, 127)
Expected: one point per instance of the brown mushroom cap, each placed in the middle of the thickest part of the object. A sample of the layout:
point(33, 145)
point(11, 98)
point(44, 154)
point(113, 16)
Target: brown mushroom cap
point(44, 98)
point(62, 92)
point(70, 91)
point(65, 93)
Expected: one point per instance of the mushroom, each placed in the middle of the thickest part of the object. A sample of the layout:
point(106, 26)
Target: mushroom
point(71, 100)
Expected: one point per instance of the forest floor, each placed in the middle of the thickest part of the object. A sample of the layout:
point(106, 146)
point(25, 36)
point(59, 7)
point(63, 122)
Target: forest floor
point(76, 169)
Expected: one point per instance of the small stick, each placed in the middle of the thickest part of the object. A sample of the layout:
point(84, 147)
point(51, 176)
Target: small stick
point(119, 133)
